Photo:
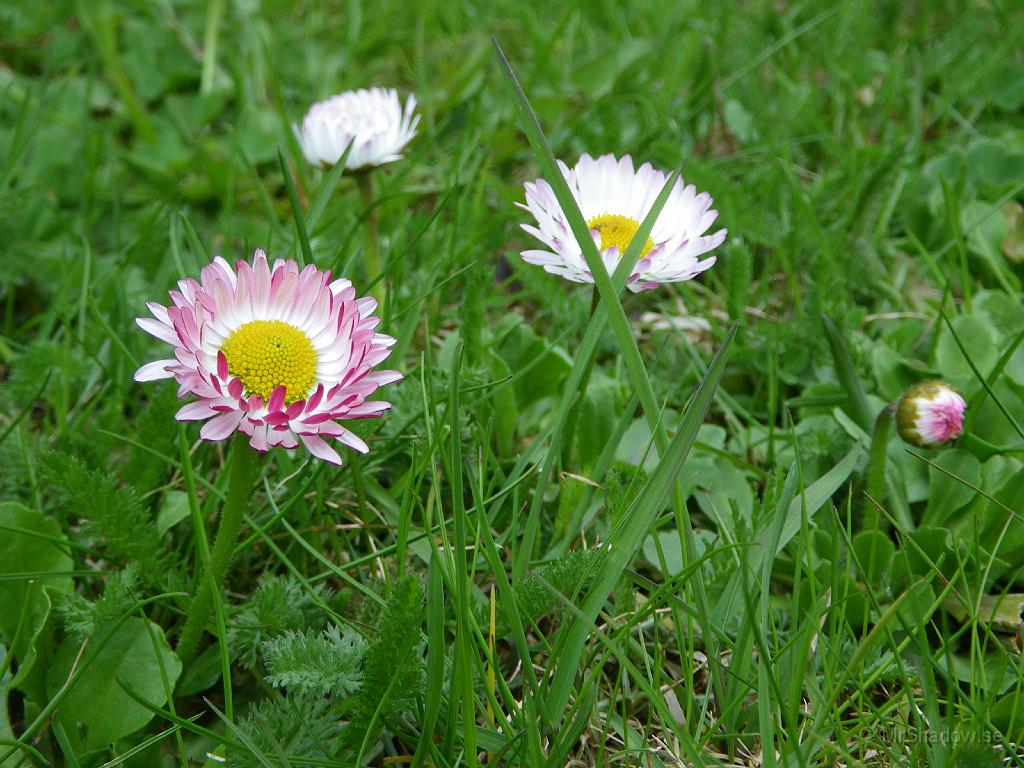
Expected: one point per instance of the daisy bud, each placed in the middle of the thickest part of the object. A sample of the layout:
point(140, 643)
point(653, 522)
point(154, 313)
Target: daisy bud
point(930, 413)
point(373, 121)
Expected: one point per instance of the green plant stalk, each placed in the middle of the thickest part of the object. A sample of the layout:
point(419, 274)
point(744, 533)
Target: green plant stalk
point(240, 475)
point(214, 12)
point(846, 372)
point(875, 486)
point(577, 409)
point(306, 251)
point(372, 232)
point(99, 21)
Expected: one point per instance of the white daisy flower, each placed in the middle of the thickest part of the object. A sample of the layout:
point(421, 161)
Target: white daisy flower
point(614, 200)
point(372, 119)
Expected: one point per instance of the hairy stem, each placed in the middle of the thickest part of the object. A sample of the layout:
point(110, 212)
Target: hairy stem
point(240, 475)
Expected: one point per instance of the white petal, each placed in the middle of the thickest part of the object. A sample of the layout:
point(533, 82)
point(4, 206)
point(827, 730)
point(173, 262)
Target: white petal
point(158, 369)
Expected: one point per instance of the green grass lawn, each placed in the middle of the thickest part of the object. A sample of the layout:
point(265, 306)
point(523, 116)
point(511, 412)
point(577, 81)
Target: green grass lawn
point(597, 527)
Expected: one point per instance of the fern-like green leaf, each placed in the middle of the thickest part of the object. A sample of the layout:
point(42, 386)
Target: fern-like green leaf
point(566, 574)
point(299, 728)
point(393, 666)
point(278, 604)
point(83, 618)
point(316, 665)
point(112, 515)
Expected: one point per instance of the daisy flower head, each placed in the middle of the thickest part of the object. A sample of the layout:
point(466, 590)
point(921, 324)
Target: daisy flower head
point(372, 120)
point(614, 199)
point(281, 354)
point(930, 413)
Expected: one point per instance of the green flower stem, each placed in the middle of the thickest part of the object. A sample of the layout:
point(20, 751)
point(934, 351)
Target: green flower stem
point(569, 437)
point(372, 232)
point(876, 468)
point(240, 476)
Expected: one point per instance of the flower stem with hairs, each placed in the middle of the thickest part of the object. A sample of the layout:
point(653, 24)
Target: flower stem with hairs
point(240, 477)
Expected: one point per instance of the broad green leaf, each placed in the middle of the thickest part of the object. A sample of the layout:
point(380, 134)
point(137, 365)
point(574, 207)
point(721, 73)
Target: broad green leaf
point(29, 543)
point(519, 347)
point(723, 493)
point(740, 122)
point(893, 373)
point(874, 552)
point(1002, 612)
point(999, 531)
point(948, 494)
point(201, 673)
point(990, 422)
point(994, 165)
point(1005, 89)
point(816, 495)
point(97, 704)
point(980, 338)
point(637, 444)
point(995, 672)
point(173, 510)
point(1007, 714)
point(671, 548)
point(596, 422)
point(925, 550)
point(506, 409)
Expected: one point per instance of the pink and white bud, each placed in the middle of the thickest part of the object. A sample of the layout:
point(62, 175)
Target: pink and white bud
point(930, 413)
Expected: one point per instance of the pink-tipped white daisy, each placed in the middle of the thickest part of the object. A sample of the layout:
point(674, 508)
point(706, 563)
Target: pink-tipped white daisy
point(930, 413)
point(373, 120)
point(280, 353)
point(614, 199)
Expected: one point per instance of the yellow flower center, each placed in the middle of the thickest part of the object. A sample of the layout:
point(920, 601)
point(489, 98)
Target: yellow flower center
point(618, 231)
point(266, 354)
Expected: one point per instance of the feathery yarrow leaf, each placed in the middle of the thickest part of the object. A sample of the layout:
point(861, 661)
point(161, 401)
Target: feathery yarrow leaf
point(278, 604)
point(316, 664)
point(299, 728)
point(393, 672)
point(112, 515)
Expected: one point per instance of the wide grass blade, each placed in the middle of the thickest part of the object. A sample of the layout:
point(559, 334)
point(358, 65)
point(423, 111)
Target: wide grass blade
point(610, 307)
point(627, 536)
point(581, 231)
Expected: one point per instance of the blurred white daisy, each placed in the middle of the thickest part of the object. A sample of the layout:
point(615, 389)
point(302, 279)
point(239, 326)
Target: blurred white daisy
point(372, 119)
point(280, 354)
point(614, 199)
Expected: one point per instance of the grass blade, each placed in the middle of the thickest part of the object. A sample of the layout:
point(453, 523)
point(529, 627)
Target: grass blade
point(627, 536)
point(306, 257)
